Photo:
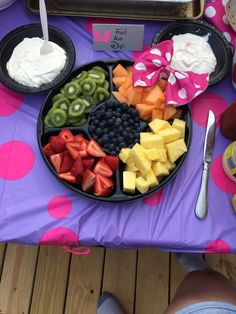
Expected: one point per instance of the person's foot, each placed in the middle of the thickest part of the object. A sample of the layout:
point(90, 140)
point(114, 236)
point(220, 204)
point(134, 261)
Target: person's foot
point(192, 261)
point(107, 304)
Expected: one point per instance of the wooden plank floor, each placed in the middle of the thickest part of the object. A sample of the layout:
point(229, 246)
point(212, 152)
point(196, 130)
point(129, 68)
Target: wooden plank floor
point(47, 280)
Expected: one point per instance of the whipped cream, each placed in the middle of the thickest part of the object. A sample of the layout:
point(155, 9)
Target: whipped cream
point(192, 53)
point(28, 67)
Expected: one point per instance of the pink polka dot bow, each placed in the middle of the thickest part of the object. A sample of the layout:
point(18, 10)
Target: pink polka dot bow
point(154, 64)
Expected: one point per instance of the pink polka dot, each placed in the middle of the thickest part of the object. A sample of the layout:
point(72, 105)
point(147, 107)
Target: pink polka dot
point(137, 54)
point(16, 160)
point(154, 199)
point(202, 104)
point(9, 101)
point(220, 178)
point(94, 20)
point(59, 236)
point(218, 246)
point(59, 207)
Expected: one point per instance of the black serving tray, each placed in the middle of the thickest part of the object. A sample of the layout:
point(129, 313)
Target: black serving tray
point(44, 133)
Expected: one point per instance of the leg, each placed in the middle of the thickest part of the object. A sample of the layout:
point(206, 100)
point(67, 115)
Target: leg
point(107, 304)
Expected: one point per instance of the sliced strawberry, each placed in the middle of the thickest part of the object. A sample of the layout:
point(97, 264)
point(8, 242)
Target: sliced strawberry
point(103, 186)
point(77, 168)
point(67, 162)
point(66, 135)
point(56, 161)
point(111, 161)
point(83, 148)
point(103, 169)
point(57, 144)
point(78, 138)
point(88, 181)
point(68, 177)
point(88, 163)
point(79, 181)
point(48, 151)
point(95, 150)
point(77, 148)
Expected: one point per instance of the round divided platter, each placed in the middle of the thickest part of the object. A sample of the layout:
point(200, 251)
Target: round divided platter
point(44, 133)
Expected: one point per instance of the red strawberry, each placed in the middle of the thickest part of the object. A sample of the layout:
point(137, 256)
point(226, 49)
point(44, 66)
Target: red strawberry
point(66, 135)
point(103, 186)
point(79, 181)
point(78, 138)
point(48, 151)
point(56, 161)
point(88, 181)
point(77, 168)
point(57, 144)
point(103, 169)
point(95, 150)
point(88, 163)
point(67, 162)
point(77, 148)
point(68, 177)
point(111, 161)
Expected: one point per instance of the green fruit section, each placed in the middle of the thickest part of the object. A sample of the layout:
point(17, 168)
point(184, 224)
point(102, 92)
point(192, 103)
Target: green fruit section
point(77, 98)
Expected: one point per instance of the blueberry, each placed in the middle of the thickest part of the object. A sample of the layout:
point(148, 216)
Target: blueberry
point(108, 115)
point(91, 128)
point(103, 107)
point(120, 139)
point(112, 135)
point(102, 124)
point(105, 138)
point(111, 146)
point(120, 129)
point(106, 130)
point(125, 124)
point(113, 152)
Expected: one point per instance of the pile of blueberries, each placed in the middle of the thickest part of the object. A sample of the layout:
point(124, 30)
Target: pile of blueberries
point(114, 126)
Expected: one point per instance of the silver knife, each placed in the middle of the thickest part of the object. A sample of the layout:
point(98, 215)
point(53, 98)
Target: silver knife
point(202, 202)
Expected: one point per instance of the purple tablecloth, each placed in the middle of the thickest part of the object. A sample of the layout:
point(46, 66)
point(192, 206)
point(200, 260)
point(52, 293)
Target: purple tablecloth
point(37, 209)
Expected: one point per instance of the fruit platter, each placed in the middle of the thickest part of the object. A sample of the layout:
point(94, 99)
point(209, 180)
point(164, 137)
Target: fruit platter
point(108, 141)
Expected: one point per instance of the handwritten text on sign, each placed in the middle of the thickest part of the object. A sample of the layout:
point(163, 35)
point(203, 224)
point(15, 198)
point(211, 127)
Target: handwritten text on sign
point(118, 37)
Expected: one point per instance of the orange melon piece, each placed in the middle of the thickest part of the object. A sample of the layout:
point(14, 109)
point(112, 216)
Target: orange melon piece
point(155, 97)
point(157, 114)
point(134, 95)
point(169, 112)
point(119, 97)
point(145, 111)
point(119, 70)
point(162, 83)
point(178, 114)
point(129, 68)
point(118, 80)
point(123, 88)
point(146, 91)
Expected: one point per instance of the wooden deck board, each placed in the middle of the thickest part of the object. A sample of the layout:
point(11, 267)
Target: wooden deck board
point(17, 279)
point(85, 282)
point(3, 247)
point(119, 276)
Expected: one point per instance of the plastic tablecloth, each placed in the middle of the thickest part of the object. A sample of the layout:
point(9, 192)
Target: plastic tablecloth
point(37, 209)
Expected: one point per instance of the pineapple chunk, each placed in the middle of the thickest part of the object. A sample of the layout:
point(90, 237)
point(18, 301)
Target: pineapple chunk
point(170, 135)
point(131, 165)
point(151, 179)
point(176, 149)
point(162, 155)
point(141, 185)
point(152, 153)
point(129, 178)
point(151, 141)
point(156, 125)
point(124, 154)
point(169, 165)
point(179, 125)
point(160, 170)
point(140, 159)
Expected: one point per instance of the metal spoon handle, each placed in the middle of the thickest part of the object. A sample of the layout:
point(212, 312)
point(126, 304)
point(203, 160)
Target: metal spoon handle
point(202, 202)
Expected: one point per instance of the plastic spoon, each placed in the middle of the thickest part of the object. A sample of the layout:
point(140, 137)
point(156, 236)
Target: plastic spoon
point(46, 47)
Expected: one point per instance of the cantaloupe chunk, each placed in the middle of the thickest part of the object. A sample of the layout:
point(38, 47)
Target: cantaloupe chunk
point(145, 111)
point(178, 114)
point(119, 97)
point(119, 80)
point(157, 114)
point(169, 112)
point(155, 97)
point(146, 91)
point(134, 95)
point(162, 83)
point(119, 70)
point(123, 88)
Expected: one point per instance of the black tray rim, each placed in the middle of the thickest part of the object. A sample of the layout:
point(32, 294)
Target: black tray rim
point(128, 198)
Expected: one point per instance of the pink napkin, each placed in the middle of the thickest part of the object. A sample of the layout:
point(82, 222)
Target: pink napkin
point(154, 64)
point(215, 14)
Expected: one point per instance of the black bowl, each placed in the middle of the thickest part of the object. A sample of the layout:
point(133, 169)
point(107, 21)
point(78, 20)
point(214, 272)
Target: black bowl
point(12, 39)
point(217, 41)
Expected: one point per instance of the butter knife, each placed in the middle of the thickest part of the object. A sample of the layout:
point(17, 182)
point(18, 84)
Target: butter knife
point(202, 202)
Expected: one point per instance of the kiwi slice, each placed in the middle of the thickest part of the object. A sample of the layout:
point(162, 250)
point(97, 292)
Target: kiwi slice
point(57, 97)
point(62, 103)
point(76, 108)
point(106, 85)
point(97, 76)
point(89, 103)
point(100, 94)
point(48, 119)
point(59, 117)
point(88, 86)
point(81, 76)
point(77, 121)
point(98, 68)
point(62, 91)
point(72, 90)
